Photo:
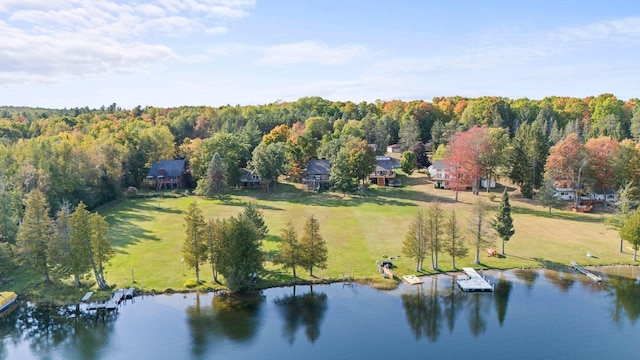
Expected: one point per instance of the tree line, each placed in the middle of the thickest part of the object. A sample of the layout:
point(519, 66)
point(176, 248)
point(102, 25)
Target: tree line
point(233, 248)
point(92, 155)
point(434, 231)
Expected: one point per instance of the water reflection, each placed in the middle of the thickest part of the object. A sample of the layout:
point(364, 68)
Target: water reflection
point(501, 297)
point(626, 292)
point(307, 310)
point(528, 276)
point(453, 302)
point(424, 311)
point(75, 333)
point(562, 280)
point(234, 317)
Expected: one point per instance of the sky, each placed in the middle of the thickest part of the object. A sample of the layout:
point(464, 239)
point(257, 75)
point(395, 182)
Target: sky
point(166, 53)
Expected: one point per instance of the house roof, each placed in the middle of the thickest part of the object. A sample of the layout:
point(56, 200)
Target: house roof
point(171, 168)
point(318, 167)
point(384, 164)
point(438, 165)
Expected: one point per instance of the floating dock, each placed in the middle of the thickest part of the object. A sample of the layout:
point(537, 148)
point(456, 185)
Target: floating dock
point(582, 270)
point(412, 279)
point(474, 282)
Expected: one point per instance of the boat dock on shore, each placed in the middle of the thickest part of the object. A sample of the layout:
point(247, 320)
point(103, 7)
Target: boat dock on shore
point(412, 279)
point(582, 270)
point(474, 282)
point(112, 304)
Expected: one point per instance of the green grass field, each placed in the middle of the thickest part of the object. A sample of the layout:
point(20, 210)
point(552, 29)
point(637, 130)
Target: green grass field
point(148, 233)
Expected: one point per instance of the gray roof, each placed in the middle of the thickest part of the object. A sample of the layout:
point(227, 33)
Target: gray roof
point(318, 167)
point(171, 168)
point(438, 165)
point(384, 164)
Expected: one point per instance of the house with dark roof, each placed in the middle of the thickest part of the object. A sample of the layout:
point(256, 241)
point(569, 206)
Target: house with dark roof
point(168, 174)
point(249, 179)
point(383, 174)
point(317, 174)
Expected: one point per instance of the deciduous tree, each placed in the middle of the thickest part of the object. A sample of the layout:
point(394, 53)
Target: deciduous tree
point(478, 227)
point(435, 227)
point(415, 244)
point(290, 252)
point(269, 162)
point(455, 241)
point(623, 210)
point(602, 153)
point(567, 162)
point(241, 255)
point(631, 232)
point(408, 162)
point(214, 232)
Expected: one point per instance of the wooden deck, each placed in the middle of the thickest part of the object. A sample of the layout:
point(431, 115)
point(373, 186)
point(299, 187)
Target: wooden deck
point(474, 282)
point(412, 279)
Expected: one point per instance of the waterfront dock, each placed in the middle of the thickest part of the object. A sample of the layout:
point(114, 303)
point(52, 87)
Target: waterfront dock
point(112, 304)
point(584, 271)
point(473, 282)
point(412, 279)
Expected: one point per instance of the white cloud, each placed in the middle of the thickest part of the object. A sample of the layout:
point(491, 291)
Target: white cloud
point(216, 30)
point(43, 40)
point(310, 52)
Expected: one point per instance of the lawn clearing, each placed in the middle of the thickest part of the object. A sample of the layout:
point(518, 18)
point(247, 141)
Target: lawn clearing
point(148, 233)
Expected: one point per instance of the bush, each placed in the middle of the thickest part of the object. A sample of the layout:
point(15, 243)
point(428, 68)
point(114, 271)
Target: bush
point(131, 192)
point(492, 196)
point(191, 283)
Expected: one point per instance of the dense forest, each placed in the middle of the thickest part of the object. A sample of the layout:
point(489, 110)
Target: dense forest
point(93, 155)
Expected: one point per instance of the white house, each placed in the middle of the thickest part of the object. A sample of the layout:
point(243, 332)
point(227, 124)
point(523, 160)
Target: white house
point(439, 174)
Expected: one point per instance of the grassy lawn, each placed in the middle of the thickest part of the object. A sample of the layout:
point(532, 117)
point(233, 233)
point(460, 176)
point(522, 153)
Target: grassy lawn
point(148, 233)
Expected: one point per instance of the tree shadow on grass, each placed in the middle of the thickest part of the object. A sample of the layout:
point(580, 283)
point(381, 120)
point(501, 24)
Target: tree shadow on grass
point(124, 230)
point(564, 215)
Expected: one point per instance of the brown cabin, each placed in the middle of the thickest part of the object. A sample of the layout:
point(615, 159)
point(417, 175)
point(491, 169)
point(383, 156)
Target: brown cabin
point(168, 174)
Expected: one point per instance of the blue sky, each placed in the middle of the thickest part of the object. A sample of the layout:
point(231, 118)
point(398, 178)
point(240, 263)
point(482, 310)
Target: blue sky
point(75, 53)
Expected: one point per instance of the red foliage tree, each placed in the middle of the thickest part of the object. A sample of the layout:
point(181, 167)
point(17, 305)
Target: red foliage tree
point(602, 152)
point(566, 163)
point(463, 160)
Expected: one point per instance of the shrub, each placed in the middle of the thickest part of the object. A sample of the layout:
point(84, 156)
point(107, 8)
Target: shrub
point(492, 196)
point(191, 283)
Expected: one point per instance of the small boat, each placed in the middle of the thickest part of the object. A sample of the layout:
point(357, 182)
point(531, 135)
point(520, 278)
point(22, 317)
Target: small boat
point(6, 299)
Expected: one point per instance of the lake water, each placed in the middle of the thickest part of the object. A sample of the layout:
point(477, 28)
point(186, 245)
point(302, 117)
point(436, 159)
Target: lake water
point(542, 314)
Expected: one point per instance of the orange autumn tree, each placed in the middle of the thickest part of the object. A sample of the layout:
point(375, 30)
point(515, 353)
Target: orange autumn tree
point(464, 158)
point(603, 152)
point(566, 164)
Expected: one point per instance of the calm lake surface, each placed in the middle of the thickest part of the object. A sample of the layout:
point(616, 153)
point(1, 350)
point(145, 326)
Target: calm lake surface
point(533, 314)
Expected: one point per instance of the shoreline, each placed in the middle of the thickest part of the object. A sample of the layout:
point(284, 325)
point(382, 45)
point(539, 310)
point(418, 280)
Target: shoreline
point(372, 282)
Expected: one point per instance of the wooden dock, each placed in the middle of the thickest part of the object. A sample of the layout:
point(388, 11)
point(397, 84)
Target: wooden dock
point(582, 270)
point(412, 279)
point(474, 282)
